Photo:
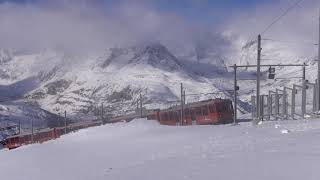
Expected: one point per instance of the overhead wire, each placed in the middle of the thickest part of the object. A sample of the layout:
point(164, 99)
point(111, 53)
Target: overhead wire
point(253, 41)
point(290, 42)
point(281, 16)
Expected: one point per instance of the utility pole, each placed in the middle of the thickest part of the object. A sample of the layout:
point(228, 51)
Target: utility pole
point(258, 81)
point(19, 126)
point(184, 97)
point(140, 105)
point(102, 113)
point(319, 67)
point(304, 71)
point(181, 116)
point(32, 129)
point(65, 122)
point(137, 105)
point(235, 94)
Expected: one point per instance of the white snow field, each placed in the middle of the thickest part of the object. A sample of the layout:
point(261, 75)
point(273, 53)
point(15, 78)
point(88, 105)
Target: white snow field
point(145, 150)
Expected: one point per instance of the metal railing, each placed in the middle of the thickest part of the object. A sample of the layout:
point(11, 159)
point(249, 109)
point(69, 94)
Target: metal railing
point(298, 101)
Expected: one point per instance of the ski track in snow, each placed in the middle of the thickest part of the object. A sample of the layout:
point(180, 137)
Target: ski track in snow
point(146, 150)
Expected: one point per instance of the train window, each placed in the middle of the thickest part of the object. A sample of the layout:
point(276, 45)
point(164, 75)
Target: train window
point(187, 113)
point(178, 115)
point(166, 118)
point(171, 115)
point(230, 107)
point(220, 107)
point(162, 117)
point(225, 108)
point(198, 112)
point(205, 110)
point(211, 108)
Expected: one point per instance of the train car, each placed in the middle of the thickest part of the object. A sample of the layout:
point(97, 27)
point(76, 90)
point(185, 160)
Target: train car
point(41, 136)
point(216, 111)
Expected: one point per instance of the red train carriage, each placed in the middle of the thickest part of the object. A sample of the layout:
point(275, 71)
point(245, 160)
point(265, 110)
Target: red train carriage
point(217, 111)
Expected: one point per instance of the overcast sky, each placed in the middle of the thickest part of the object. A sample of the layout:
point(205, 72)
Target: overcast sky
point(101, 23)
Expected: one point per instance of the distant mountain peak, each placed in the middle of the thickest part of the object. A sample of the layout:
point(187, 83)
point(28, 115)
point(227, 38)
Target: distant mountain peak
point(5, 56)
point(154, 54)
point(157, 55)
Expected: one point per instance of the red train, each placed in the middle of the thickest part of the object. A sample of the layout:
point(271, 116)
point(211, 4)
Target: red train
point(216, 111)
point(44, 135)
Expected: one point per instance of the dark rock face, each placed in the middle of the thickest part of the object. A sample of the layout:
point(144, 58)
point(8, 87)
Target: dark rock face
point(46, 76)
point(123, 95)
point(157, 56)
point(37, 95)
point(154, 54)
point(5, 56)
point(55, 87)
point(4, 75)
point(115, 52)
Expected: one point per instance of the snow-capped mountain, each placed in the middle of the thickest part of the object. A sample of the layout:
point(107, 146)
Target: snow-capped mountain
point(79, 84)
point(115, 77)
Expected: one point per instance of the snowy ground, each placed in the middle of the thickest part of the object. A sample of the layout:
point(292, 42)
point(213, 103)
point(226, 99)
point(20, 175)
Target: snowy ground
point(145, 150)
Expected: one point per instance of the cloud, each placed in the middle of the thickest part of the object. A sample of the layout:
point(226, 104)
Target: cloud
point(298, 29)
point(84, 25)
point(87, 25)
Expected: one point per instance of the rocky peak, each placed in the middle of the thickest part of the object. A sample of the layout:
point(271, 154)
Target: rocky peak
point(5, 56)
point(158, 56)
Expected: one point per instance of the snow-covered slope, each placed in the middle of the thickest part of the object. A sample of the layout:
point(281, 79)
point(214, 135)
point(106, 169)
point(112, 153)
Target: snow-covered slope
point(145, 150)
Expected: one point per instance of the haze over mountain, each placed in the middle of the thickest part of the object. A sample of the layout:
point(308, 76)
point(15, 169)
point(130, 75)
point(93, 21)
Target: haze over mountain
point(75, 56)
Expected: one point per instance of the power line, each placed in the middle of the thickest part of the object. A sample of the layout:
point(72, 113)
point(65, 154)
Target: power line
point(252, 40)
point(281, 16)
point(290, 42)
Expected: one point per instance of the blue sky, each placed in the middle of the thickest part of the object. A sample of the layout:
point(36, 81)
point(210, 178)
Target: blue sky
point(198, 10)
point(48, 23)
point(203, 11)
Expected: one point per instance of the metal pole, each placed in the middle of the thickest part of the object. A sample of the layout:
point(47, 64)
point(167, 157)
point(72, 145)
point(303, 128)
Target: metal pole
point(32, 130)
point(317, 95)
point(304, 102)
point(140, 105)
point(293, 101)
point(304, 71)
point(65, 122)
point(318, 100)
point(285, 104)
point(181, 116)
point(269, 102)
point(268, 65)
point(19, 126)
point(277, 104)
point(261, 107)
point(235, 94)
point(102, 112)
point(258, 79)
point(314, 101)
point(253, 110)
point(137, 105)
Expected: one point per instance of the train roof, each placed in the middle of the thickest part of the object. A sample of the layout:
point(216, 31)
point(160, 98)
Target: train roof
point(200, 103)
